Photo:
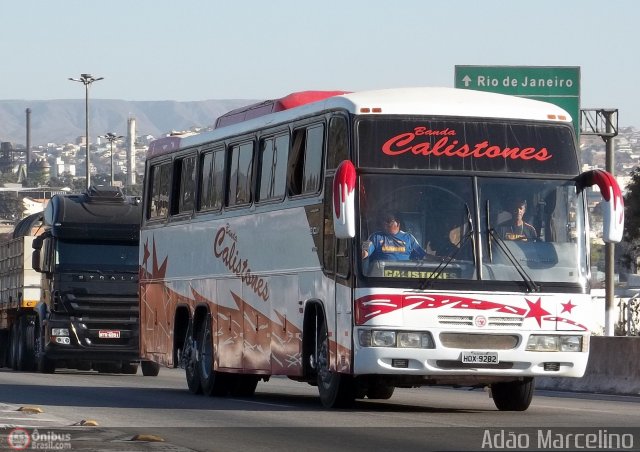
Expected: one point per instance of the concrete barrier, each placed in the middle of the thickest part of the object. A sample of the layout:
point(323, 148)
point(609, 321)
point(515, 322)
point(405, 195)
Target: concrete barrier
point(613, 368)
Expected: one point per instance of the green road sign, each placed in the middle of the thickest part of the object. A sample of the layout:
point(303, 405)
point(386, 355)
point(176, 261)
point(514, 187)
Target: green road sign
point(559, 85)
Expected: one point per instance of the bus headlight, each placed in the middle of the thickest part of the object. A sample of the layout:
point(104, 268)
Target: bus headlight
point(399, 339)
point(59, 331)
point(382, 338)
point(413, 339)
point(554, 343)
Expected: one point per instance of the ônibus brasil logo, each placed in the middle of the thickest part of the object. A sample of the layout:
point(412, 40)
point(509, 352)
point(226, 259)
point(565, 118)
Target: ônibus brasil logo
point(19, 439)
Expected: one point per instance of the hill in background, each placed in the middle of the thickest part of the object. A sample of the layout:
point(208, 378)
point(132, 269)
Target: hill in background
point(63, 121)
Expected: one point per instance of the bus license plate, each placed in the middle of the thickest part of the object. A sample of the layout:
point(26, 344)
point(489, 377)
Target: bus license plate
point(109, 334)
point(480, 358)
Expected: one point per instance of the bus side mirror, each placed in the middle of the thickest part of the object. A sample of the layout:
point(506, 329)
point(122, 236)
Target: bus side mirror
point(613, 205)
point(344, 217)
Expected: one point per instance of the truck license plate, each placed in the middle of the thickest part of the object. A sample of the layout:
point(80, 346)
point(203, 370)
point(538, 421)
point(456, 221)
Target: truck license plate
point(109, 334)
point(480, 357)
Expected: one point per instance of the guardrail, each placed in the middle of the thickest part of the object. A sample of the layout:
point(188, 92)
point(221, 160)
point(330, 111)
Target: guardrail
point(612, 369)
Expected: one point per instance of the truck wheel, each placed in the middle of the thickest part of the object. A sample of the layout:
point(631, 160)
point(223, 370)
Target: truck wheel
point(150, 369)
point(25, 359)
point(129, 368)
point(4, 347)
point(28, 341)
point(13, 347)
point(44, 364)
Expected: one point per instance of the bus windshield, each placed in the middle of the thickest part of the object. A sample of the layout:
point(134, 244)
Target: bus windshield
point(434, 228)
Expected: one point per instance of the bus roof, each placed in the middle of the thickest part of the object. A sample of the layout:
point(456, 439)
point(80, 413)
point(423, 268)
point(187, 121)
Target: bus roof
point(428, 101)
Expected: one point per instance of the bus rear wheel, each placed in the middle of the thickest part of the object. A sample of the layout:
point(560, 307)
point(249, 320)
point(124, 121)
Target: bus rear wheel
point(213, 382)
point(513, 395)
point(189, 356)
point(336, 390)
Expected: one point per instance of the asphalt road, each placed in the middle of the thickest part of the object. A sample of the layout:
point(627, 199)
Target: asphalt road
point(287, 415)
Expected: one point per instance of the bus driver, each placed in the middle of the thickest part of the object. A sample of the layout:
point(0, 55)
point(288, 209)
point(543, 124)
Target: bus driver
point(516, 228)
point(392, 244)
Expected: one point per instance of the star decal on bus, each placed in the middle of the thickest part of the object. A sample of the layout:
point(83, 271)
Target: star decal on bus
point(567, 307)
point(536, 311)
point(156, 271)
point(145, 257)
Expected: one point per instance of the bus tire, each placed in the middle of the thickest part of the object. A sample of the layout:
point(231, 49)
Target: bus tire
point(513, 395)
point(243, 385)
point(213, 382)
point(380, 392)
point(150, 368)
point(189, 356)
point(336, 390)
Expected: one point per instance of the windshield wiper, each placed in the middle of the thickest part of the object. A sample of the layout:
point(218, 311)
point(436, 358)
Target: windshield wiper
point(528, 280)
point(447, 260)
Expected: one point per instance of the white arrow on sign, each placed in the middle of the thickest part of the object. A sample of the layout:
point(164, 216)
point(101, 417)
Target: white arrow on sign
point(466, 80)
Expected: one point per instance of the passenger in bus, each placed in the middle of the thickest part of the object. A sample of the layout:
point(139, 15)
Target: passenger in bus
point(516, 228)
point(392, 243)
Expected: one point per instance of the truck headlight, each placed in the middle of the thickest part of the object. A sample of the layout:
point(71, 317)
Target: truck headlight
point(59, 331)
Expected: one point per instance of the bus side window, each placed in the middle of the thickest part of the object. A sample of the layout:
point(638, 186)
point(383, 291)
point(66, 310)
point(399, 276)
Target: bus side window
point(185, 173)
point(338, 143)
point(305, 161)
point(159, 191)
point(211, 183)
point(240, 174)
point(273, 167)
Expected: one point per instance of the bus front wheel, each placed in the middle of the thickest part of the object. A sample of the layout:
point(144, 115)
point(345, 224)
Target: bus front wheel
point(336, 390)
point(513, 395)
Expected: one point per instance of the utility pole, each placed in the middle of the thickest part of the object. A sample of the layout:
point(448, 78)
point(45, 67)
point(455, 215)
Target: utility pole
point(87, 80)
point(111, 137)
point(604, 123)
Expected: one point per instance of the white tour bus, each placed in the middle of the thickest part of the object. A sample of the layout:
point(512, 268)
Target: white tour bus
point(255, 234)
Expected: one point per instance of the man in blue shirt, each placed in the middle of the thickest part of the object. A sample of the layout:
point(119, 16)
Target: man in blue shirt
point(392, 244)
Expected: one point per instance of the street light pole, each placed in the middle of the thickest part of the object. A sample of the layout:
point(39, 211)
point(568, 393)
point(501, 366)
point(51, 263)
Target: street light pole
point(86, 79)
point(111, 137)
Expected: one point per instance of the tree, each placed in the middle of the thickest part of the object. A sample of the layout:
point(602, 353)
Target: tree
point(11, 206)
point(632, 218)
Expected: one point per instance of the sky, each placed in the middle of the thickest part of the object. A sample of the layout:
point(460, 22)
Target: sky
point(209, 49)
